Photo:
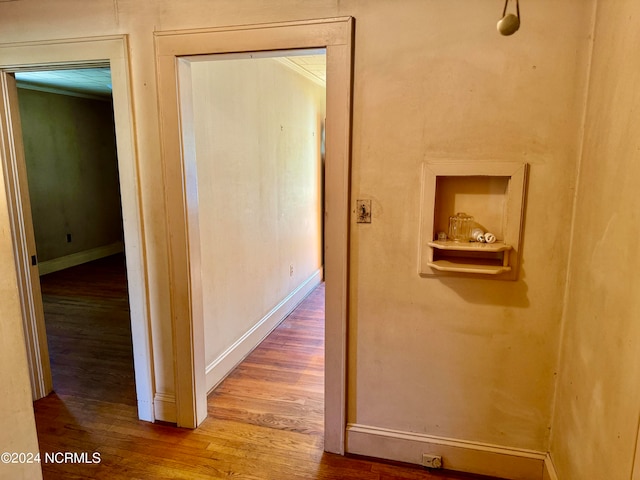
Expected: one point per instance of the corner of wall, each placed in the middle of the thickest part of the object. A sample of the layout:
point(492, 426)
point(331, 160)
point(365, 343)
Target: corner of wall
point(580, 153)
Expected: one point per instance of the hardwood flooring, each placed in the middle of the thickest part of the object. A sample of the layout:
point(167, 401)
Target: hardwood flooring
point(89, 331)
point(265, 420)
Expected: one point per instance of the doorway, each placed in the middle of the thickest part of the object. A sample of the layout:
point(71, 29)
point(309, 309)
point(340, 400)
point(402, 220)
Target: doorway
point(68, 136)
point(256, 123)
point(181, 177)
point(77, 53)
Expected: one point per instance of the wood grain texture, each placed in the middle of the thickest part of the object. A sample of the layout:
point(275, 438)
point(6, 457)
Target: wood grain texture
point(265, 420)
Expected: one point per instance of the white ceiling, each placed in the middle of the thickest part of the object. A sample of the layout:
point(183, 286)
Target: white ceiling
point(97, 81)
point(315, 65)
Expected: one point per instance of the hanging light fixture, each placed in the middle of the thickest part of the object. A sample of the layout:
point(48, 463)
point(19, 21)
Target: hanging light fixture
point(509, 24)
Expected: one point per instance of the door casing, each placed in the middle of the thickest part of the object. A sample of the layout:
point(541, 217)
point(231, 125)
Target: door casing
point(336, 35)
point(50, 55)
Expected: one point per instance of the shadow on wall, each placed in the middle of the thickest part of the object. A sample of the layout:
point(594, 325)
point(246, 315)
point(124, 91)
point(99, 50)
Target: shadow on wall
point(492, 292)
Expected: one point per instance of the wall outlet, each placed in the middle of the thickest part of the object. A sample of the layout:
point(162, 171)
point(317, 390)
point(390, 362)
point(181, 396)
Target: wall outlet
point(291, 270)
point(68, 238)
point(431, 461)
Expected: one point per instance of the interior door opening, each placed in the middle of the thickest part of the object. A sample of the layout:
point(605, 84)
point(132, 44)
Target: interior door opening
point(253, 130)
point(173, 51)
point(111, 52)
point(68, 135)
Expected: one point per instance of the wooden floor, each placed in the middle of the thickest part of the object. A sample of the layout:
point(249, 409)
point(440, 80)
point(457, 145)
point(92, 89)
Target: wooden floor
point(265, 420)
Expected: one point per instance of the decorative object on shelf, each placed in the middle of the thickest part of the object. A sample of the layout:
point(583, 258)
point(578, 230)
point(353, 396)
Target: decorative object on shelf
point(489, 237)
point(477, 235)
point(460, 227)
point(442, 237)
point(509, 24)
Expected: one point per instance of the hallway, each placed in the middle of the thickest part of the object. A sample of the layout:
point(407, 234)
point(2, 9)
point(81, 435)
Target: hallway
point(265, 420)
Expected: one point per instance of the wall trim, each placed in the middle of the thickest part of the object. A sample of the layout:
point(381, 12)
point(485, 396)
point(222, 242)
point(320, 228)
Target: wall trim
point(79, 258)
point(549, 472)
point(459, 455)
point(222, 366)
point(165, 407)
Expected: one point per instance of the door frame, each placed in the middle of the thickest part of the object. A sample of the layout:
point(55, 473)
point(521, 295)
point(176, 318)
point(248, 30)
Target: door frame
point(82, 52)
point(336, 35)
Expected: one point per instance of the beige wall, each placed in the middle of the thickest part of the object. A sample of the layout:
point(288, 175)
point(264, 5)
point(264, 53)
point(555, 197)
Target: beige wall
point(257, 130)
point(468, 359)
point(72, 166)
point(598, 401)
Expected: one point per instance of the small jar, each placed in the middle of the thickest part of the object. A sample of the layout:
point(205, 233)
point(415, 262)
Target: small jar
point(460, 227)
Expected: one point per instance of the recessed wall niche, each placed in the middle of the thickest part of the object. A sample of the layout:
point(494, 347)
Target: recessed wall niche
point(493, 194)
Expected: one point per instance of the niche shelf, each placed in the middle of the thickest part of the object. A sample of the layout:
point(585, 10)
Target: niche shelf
point(493, 193)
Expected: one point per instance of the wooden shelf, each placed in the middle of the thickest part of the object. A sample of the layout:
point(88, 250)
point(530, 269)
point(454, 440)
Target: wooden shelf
point(470, 246)
point(468, 266)
point(493, 193)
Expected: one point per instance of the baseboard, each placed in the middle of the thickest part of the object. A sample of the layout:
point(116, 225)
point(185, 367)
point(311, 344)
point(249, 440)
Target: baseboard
point(146, 410)
point(79, 258)
point(165, 407)
point(458, 455)
point(549, 472)
point(223, 365)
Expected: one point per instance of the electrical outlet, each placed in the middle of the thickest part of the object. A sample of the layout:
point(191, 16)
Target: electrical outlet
point(291, 270)
point(68, 238)
point(431, 461)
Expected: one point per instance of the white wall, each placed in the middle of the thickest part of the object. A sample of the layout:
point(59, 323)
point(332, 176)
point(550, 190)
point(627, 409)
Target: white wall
point(257, 136)
point(595, 427)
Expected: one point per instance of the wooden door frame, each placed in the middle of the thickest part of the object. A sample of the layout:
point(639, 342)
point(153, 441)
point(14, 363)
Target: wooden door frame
point(23, 241)
point(336, 35)
point(64, 54)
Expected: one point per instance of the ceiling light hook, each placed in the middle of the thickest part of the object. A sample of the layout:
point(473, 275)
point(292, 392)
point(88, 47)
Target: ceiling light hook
point(509, 23)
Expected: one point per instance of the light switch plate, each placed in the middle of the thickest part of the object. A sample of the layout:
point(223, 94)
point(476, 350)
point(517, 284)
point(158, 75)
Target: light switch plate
point(363, 211)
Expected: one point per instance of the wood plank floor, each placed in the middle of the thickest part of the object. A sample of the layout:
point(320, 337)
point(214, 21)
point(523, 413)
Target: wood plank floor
point(265, 420)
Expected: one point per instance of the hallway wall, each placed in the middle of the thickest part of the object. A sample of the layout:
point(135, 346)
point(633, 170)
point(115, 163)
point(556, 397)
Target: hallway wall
point(257, 126)
point(468, 359)
point(597, 412)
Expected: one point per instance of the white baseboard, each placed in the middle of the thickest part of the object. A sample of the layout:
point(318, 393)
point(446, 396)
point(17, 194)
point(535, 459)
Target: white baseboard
point(165, 407)
point(549, 472)
point(223, 365)
point(79, 258)
point(459, 455)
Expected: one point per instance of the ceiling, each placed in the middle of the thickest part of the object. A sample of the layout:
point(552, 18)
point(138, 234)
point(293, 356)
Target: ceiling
point(315, 65)
point(97, 81)
point(88, 81)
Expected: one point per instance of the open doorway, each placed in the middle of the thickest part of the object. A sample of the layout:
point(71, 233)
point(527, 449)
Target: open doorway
point(68, 135)
point(178, 152)
point(255, 122)
point(68, 54)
